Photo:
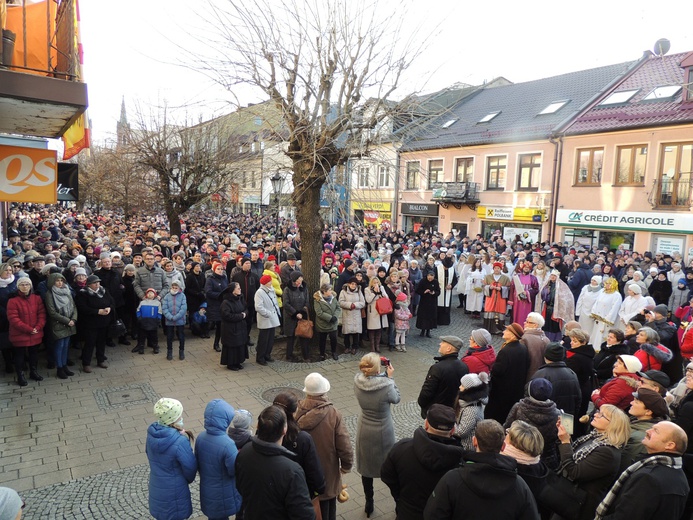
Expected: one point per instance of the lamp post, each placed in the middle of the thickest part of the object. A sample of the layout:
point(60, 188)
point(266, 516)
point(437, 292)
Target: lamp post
point(277, 185)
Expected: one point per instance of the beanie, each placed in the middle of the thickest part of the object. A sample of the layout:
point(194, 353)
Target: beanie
point(632, 363)
point(401, 297)
point(167, 410)
point(242, 420)
point(481, 337)
point(10, 503)
point(265, 279)
point(540, 389)
point(554, 352)
point(472, 380)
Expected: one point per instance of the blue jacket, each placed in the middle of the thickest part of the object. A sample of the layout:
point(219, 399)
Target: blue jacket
point(172, 467)
point(175, 308)
point(216, 457)
point(149, 314)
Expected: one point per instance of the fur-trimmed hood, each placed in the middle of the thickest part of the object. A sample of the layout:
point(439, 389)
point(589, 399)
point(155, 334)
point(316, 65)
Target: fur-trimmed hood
point(371, 383)
point(474, 394)
point(631, 380)
point(659, 352)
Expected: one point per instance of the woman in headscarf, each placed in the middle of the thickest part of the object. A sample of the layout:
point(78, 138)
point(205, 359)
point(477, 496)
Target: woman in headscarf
point(234, 334)
point(62, 319)
point(588, 295)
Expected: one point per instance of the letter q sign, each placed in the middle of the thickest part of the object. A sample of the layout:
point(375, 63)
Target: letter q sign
point(28, 175)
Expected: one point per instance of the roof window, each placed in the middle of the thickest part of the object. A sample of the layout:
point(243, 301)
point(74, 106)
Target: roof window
point(449, 123)
point(554, 107)
point(488, 117)
point(663, 92)
point(616, 98)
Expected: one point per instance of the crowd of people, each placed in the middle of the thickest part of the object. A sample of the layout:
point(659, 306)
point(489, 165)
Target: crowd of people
point(583, 412)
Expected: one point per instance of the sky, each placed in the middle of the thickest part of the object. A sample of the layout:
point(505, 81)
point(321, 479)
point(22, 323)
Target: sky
point(139, 50)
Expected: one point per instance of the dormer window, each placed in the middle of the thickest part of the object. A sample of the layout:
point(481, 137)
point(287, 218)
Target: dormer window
point(617, 98)
point(665, 92)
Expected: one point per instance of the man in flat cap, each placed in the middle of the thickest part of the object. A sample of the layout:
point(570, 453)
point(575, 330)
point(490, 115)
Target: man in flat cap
point(443, 378)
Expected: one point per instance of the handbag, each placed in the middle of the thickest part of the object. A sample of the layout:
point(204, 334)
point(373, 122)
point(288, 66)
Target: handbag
point(117, 329)
point(304, 329)
point(562, 496)
point(383, 306)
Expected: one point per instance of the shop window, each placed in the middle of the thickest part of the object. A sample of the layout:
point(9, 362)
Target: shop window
point(631, 163)
point(589, 167)
point(435, 173)
point(464, 169)
point(413, 172)
point(496, 169)
point(674, 176)
point(529, 170)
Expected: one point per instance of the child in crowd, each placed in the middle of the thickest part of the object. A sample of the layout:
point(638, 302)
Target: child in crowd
point(402, 315)
point(149, 317)
point(175, 308)
point(199, 325)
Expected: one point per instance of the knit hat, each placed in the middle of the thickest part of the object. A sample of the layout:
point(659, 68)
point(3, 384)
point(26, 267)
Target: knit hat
point(401, 297)
point(454, 341)
point(168, 410)
point(658, 377)
point(471, 380)
point(516, 329)
point(316, 384)
point(80, 270)
point(554, 352)
point(10, 504)
point(93, 279)
point(441, 417)
point(242, 420)
point(151, 289)
point(265, 279)
point(652, 401)
point(661, 309)
point(682, 281)
point(597, 278)
point(481, 337)
point(540, 389)
point(72, 262)
point(632, 363)
point(295, 275)
point(215, 265)
point(176, 283)
point(347, 263)
point(555, 272)
point(635, 288)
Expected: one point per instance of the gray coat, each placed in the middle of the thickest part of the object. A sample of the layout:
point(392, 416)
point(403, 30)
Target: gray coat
point(267, 308)
point(375, 434)
point(154, 278)
point(294, 300)
point(351, 318)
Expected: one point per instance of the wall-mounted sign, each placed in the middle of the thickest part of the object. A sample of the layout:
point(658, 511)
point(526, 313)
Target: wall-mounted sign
point(28, 175)
point(68, 182)
point(429, 210)
point(597, 219)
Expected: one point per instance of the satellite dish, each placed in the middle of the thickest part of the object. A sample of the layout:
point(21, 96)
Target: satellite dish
point(662, 46)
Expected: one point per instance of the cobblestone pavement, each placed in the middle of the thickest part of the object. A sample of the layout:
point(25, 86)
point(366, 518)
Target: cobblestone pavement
point(75, 449)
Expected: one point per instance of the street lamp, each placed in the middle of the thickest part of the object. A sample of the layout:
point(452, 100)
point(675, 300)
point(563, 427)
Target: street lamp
point(277, 185)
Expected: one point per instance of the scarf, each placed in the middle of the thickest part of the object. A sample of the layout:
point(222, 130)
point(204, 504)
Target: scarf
point(98, 293)
point(520, 456)
point(654, 460)
point(63, 300)
point(586, 444)
point(4, 282)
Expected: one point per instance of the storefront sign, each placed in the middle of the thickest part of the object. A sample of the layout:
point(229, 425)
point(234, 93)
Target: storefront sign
point(669, 245)
point(28, 175)
point(525, 234)
point(517, 214)
point(372, 206)
point(430, 210)
point(498, 213)
point(596, 219)
point(68, 182)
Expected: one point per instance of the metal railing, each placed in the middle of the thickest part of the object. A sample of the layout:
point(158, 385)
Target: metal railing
point(456, 192)
point(674, 191)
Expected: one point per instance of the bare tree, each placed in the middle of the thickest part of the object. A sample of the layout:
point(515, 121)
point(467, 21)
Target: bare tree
point(316, 61)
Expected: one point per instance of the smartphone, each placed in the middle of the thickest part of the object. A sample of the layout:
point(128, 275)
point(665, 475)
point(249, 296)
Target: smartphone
point(568, 422)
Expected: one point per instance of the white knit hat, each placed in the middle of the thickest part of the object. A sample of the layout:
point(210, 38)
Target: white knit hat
point(632, 363)
point(168, 410)
point(472, 380)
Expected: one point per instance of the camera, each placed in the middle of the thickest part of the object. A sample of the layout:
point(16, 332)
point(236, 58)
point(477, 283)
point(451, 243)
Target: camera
point(384, 361)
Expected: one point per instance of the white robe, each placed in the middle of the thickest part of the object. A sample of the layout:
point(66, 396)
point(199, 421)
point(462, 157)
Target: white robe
point(606, 306)
point(584, 304)
point(631, 306)
point(475, 300)
point(445, 297)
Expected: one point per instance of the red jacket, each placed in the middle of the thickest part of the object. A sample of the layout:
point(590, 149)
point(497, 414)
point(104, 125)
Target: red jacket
point(687, 344)
point(653, 356)
point(617, 391)
point(480, 360)
point(25, 314)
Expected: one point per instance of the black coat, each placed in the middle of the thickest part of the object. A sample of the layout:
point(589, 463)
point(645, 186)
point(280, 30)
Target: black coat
point(272, 484)
point(234, 331)
point(214, 287)
point(427, 315)
point(566, 393)
point(485, 486)
point(307, 457)
point(195, 290)
point(113, 282)
point(413, 468)
point(543, 415)
point(582, 363)
point(88, 306)
point(669, 338)
point(508, 376)
point(442, 382)
point(604, 360)
point(249, 283)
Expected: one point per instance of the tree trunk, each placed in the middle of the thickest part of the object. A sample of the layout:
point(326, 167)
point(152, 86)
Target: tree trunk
point(173, 221)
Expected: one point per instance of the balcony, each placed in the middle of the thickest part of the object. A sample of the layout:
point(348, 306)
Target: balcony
point(672, 192)
point(41, 92)
point(456, 193)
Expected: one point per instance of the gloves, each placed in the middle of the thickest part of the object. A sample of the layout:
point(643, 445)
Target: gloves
point(333, 319)
point(353, 306)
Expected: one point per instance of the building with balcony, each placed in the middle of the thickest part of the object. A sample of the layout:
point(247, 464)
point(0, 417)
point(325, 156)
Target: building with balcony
point(626, 162)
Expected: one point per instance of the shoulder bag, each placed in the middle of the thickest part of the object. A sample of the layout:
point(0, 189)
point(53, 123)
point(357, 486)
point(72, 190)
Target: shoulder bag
point(304, 329)
point(383, 305)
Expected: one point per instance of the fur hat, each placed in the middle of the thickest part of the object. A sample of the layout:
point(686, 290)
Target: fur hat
point(481, 337)
point(316, 384)
point(168, 411)
point(635, 288)
point(295, 275)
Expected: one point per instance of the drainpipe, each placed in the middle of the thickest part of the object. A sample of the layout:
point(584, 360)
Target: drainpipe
point(395, 205)
point(555, 185)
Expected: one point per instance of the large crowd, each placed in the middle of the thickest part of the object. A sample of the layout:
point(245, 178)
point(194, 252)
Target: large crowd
point(584, 412)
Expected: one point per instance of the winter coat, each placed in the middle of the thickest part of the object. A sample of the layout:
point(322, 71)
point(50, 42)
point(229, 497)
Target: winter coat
point(172, 467)
point(480, 359)
point(427, 314)
point(415, 277)
point(580, 278)
point(375, 430)
point(26, 313)
point(234, 330)
point(471, 404)
point(507, 380)
point(414, 466)
point(351, 318)
point(617, 391)
point(195, 289)
point(307, 457)
point(660, 291)
point(216, 459)
point(6, 291)
point(652, 357)
point(442, 382)
point(543, 415)
point(276, 285)
point(327, 314)
point(174, 308)
point(59, 323)
point(485, 486)
point(669, 338)
point(402, 316)
point(566, 388)
point(112, 281)
point(635, 450)
point(272, 484)
point(88, 305)
point(267, 308)
point(154, 278)
point(536, 342)
point(605, 359)
point(149, 314)
point(581, 361)
point(374, 321)
point(317, 416)
point(214, 287)
point(678, 298)
point(295, 302)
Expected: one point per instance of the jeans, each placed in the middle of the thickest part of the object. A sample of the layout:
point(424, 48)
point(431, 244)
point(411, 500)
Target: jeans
point(178, 330)
point(60, 348)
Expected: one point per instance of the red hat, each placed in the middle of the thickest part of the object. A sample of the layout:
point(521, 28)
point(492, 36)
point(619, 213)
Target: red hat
point(271, 258)
point(215, 265)
point(401, 297)
point(498, 264)
point(265, 279)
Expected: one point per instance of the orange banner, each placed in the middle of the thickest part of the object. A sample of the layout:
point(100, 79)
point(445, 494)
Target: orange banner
point(28, 175)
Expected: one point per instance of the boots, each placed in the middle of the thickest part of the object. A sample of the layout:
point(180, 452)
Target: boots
point(33, 374)
point(423, 331)
point(169, 353)
point(428, 333)
point(414, 308)
point(368, 494)
point(68, 372)
point(61, 373)
point(21, 380)
point(181, 354)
